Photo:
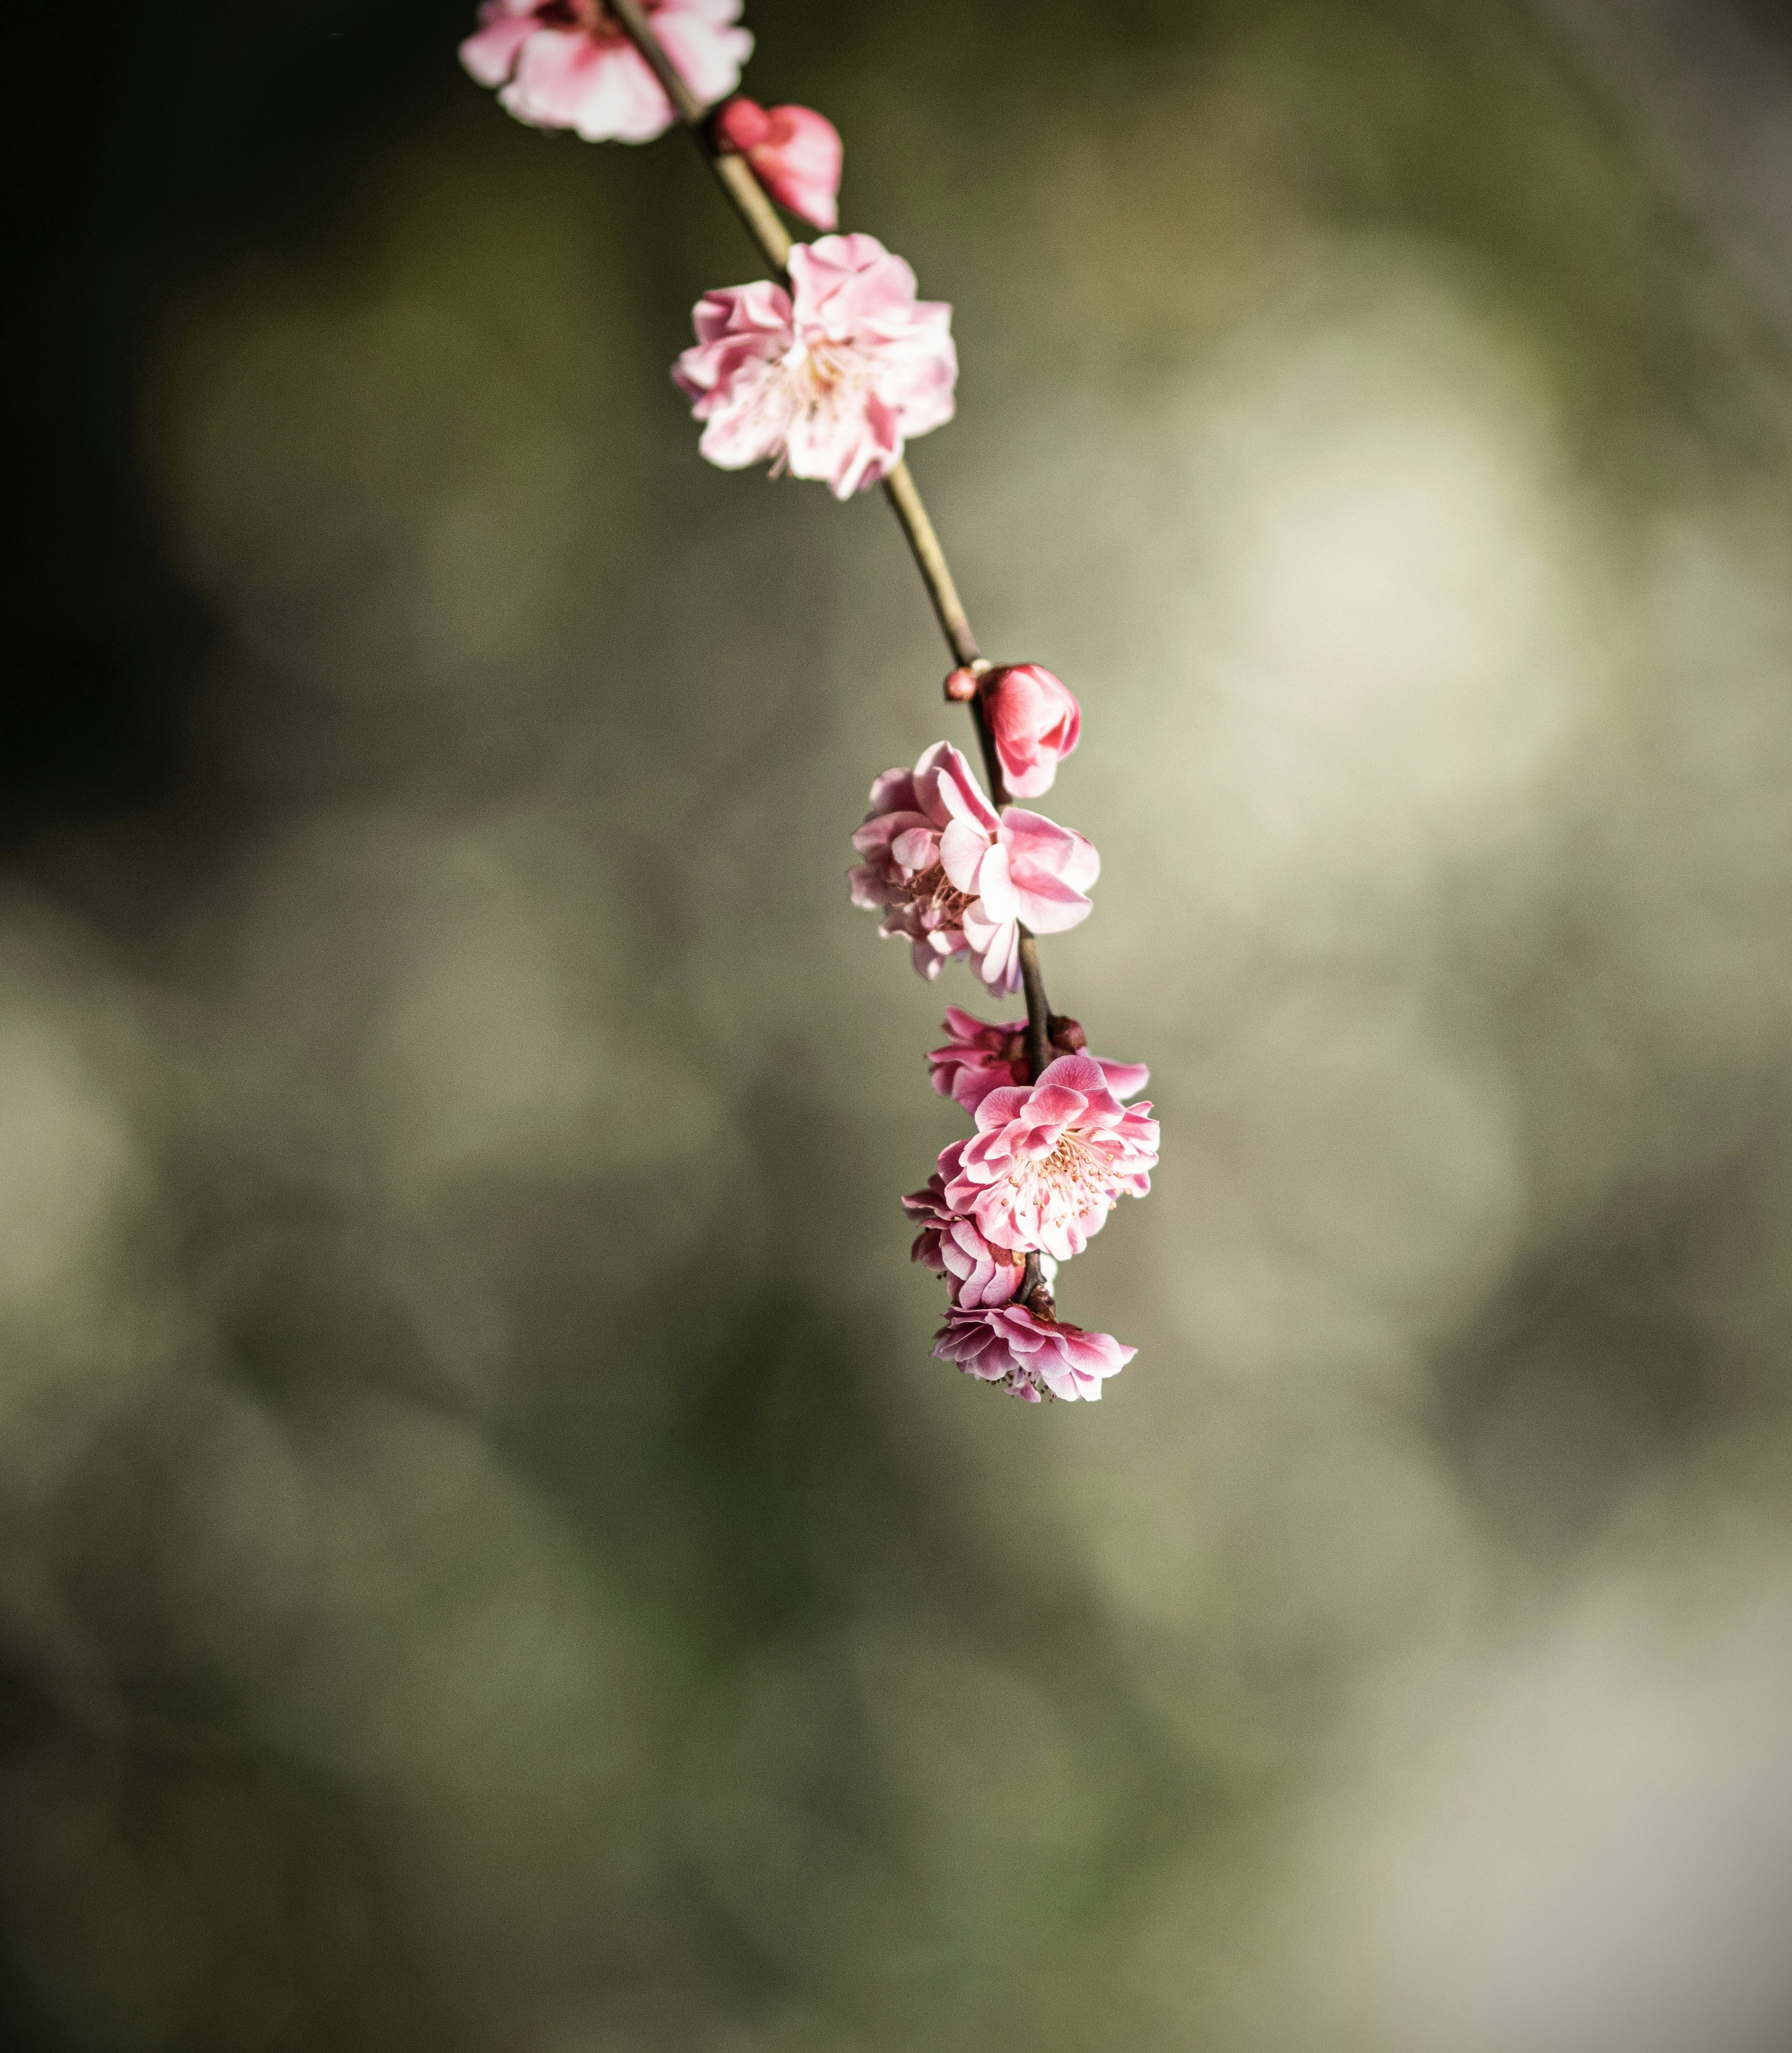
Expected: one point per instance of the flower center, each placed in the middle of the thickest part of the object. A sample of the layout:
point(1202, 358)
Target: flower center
point(589, 17)
point(1072, 1174)
point(824, 374)
point(932, 888)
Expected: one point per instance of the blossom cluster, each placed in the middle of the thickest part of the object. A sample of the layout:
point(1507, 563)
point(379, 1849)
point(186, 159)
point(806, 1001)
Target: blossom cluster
point(827, 373)
point(1050, 1159)
point(960, 879)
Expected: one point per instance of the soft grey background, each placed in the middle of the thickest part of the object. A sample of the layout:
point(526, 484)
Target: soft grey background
point(487, 1560)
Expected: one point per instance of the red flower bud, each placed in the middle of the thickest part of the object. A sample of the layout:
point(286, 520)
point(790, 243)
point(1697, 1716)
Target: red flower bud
point(795, 152)
point(1067, 1036)
point(1035, 721)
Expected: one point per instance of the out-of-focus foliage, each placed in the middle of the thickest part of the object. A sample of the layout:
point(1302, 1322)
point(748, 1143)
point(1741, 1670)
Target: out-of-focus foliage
point(488, 1561)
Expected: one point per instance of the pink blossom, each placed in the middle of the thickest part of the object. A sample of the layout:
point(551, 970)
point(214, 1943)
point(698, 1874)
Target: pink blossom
point(1048, 1164)
point(796, 154)
point(827, 380)
point(1035, 722)
point(976, 1274)
point(566, 64)
point(1011, 1346)
point(956, 878)
point(979, 1059)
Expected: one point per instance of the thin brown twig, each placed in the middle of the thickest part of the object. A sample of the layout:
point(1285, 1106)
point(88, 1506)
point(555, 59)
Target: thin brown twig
point(759, 218)
point(748, 197)
point(905, 498)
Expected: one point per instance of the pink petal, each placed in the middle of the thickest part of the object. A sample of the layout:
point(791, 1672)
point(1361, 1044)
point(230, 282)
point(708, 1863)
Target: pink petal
point(707, 53)
point(1002, 1107)
point(926, 962)
point(750, 424)
point(1000, 953)
point(1125, 1078)
point(1055, 1102)
point(960, 793)
point(1000, 900)
point(1073, 1073)
point(894, 792)
point(915, 848)
point(490, 53)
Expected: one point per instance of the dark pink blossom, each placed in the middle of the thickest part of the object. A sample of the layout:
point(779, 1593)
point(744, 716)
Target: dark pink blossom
point(1010, 1346)
point(829, 380)
point(796, 154)
point(566, 64)
point(979, 1057)
point(949, 1244)
point(1034, 723)
point(1047, 1164)
point(956, 878)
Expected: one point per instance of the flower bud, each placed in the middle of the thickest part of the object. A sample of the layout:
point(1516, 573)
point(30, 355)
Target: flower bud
point(1035, 722)
point(796, 154)
point(961, 685)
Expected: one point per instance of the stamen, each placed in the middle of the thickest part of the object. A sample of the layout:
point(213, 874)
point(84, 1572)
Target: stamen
point(932, 887)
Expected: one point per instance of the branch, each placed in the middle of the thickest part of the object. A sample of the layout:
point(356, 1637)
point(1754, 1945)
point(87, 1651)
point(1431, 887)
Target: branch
point(760, 220)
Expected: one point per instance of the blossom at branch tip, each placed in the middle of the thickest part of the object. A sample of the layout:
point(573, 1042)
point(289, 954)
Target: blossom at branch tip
point(979, 1057)
point(567, 64)
point(1023, 1354)
point(1035, 722)
point(1047, 1164)
point(796, 154)
point(956, 878)
point(829, 380)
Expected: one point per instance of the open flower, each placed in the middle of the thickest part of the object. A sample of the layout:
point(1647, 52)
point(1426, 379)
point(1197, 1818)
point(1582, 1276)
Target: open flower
point(827, 380)
point(1035, 722)
point(957, 878)
point(796, 154)
point(1011, 1346)
point(979, 1057)
point(949, 1243)
point(567, 64)
point(1048, 1164)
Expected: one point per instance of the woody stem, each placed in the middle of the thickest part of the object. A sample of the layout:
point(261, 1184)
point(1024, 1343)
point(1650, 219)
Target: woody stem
point(733, 174)
point(759, 218)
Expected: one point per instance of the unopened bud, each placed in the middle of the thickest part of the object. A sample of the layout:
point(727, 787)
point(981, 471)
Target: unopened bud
point(1034, 723)
point(960, 686)
point(794, 154)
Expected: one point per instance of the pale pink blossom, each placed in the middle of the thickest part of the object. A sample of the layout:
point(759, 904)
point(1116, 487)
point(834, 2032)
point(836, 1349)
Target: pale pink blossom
point(829, 380)
point(566, 64)
point(979, 1057)
point(956, 878)
point(796, 154)
point(1047, 1164)
point(1034, 723)
point(1010, 1346)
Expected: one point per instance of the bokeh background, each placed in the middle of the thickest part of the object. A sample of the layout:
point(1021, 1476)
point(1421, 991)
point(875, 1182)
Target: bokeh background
point(486, 1561)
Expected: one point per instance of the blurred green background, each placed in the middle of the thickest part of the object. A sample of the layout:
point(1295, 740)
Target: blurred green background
point(486, 1561)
